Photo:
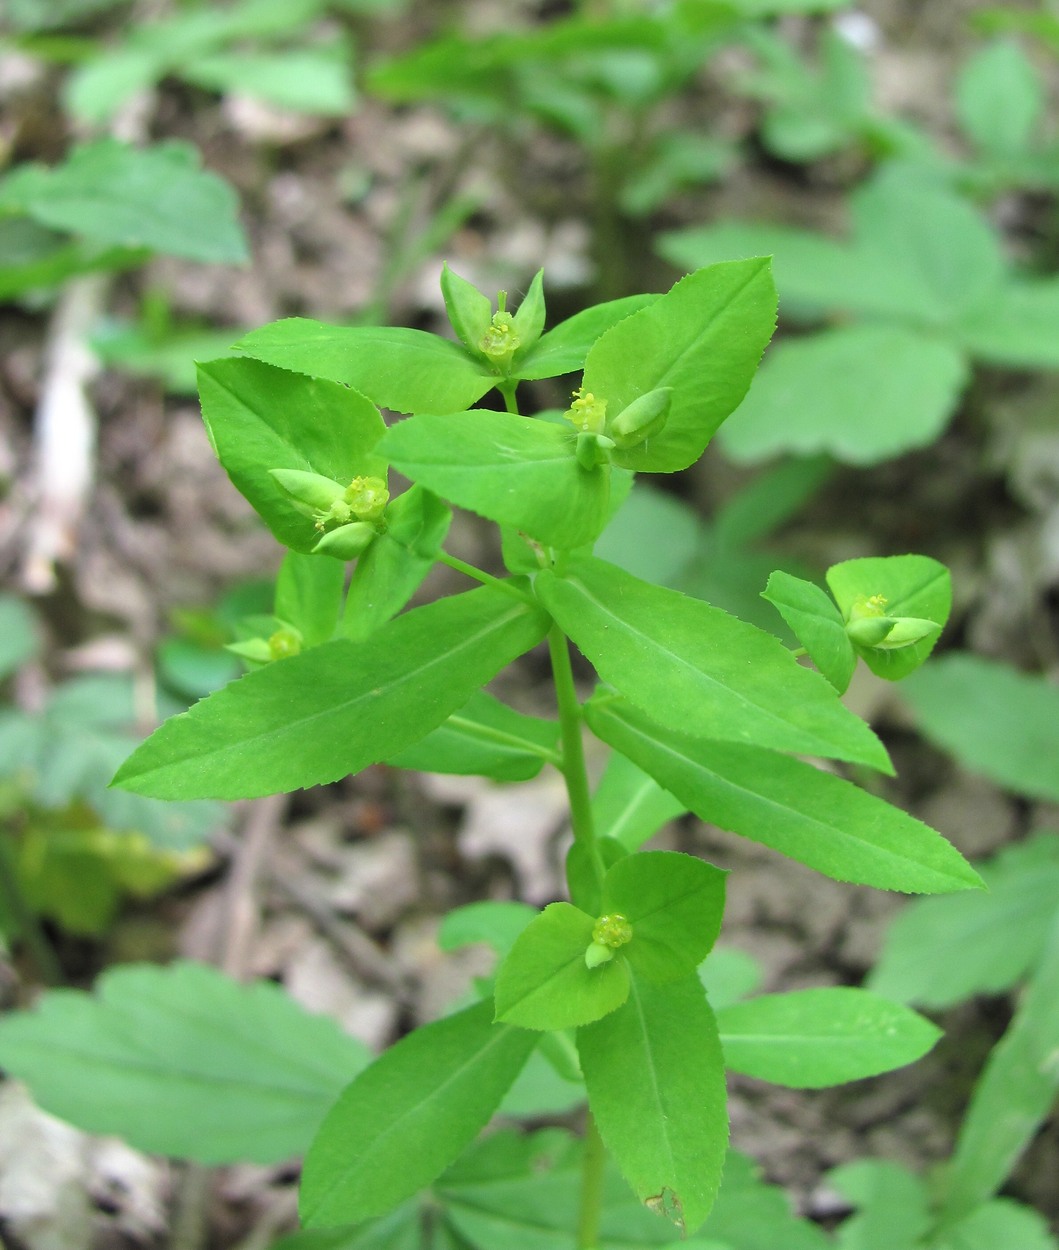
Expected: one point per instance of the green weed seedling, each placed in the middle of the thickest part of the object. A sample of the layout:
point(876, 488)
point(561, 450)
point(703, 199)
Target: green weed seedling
point(109, 206)
point(70, 848)
point(919, 292)
point(601, 995)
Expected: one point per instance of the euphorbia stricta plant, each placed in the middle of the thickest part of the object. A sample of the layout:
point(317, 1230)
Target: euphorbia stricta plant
point(717, 712)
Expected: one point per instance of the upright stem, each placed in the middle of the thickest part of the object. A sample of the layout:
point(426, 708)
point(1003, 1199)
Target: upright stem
point(507, 388)
point(592, 1163)
point(574, 771)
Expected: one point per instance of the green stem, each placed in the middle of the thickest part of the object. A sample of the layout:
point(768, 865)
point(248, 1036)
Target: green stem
point(480, 575)
point(592, 1163)
point(27, 922)
point(507, 388)
point(573, 769)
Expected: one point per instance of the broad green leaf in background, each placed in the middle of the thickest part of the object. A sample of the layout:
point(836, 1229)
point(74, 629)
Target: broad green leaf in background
point(409, 1115)
point(998, 1223)
point(674, 903)
point(655, 1077)
point(564, 348)
point(704, 339)
point(940, 951)
point(911, 586)
point(653, 535)
point(406, 370)
point(893, 1207)
point(999, 99)
point(729, 974)
point(994, 719)
point(751, 1214)
point(393, 567)
point(495, 922)
point(801, 811)
point(817, 624)
point(309, 595)
point(544, 983)
point(862, 393)
point(1014, 1094)
point(304, 80)
point(331, 711)
point(629, 805)
point(156, 197)
point(508, 468)
point(487, 738)
point(19, 637)
point(259, 418)
point(183, 1061)
point(1016, 327)
point(809, 1039)
point(700, 670)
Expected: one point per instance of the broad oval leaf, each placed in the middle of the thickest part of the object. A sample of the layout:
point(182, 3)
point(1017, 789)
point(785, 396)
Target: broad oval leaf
point(564, 348)
point(259, 417)
point(409, 1115)
point(405, 370)
point(674, 903)
point(544, 983)
point(508, 468)
point(861, 393)
point(704, 338)
point(655, 1077)
point(809, 1039)
point(333, 710)
point(183, 1061)
point(699, 670)
point(801, 811)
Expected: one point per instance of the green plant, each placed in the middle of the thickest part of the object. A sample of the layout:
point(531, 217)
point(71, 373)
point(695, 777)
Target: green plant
point(605, 985)
point(70, 848)
point(920, 292)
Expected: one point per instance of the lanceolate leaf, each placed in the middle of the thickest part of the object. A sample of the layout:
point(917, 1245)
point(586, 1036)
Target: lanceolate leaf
point(655, 1077)
point(409, 1115)
point(509, 468)
point(809, 1039)
point(800, 811)
point(487, 738)
point(260, 418)
point(406, 370)
point(697, 669)
point(1014, 1094)
point(389, 573)
point(631, 806)
point(183, 1061)
point(704, 339)
point(331, 711)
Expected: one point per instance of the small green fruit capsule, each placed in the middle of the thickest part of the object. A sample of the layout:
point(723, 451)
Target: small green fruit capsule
point(347, 542)
point(256, 650)
point(907, 631)
point(501, 340)
point(869, 631)
point(593, 450)
point(587, 413)
point(642, 419)
point(284, 642)
point(597, 954)
point(311, 492)
point(367, 498)
point(612, 930)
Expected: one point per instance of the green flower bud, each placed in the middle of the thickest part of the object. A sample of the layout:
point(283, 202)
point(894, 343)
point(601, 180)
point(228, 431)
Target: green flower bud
point(869, 631)
point(642, 419)
point(501, 340)
point(256, 650)
point(347, 542)
point(593, 450)
point(367, 498)
point(612, 930)
point(586, 412)
point(311, 493)
point(284, 642)
point(906, 631)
